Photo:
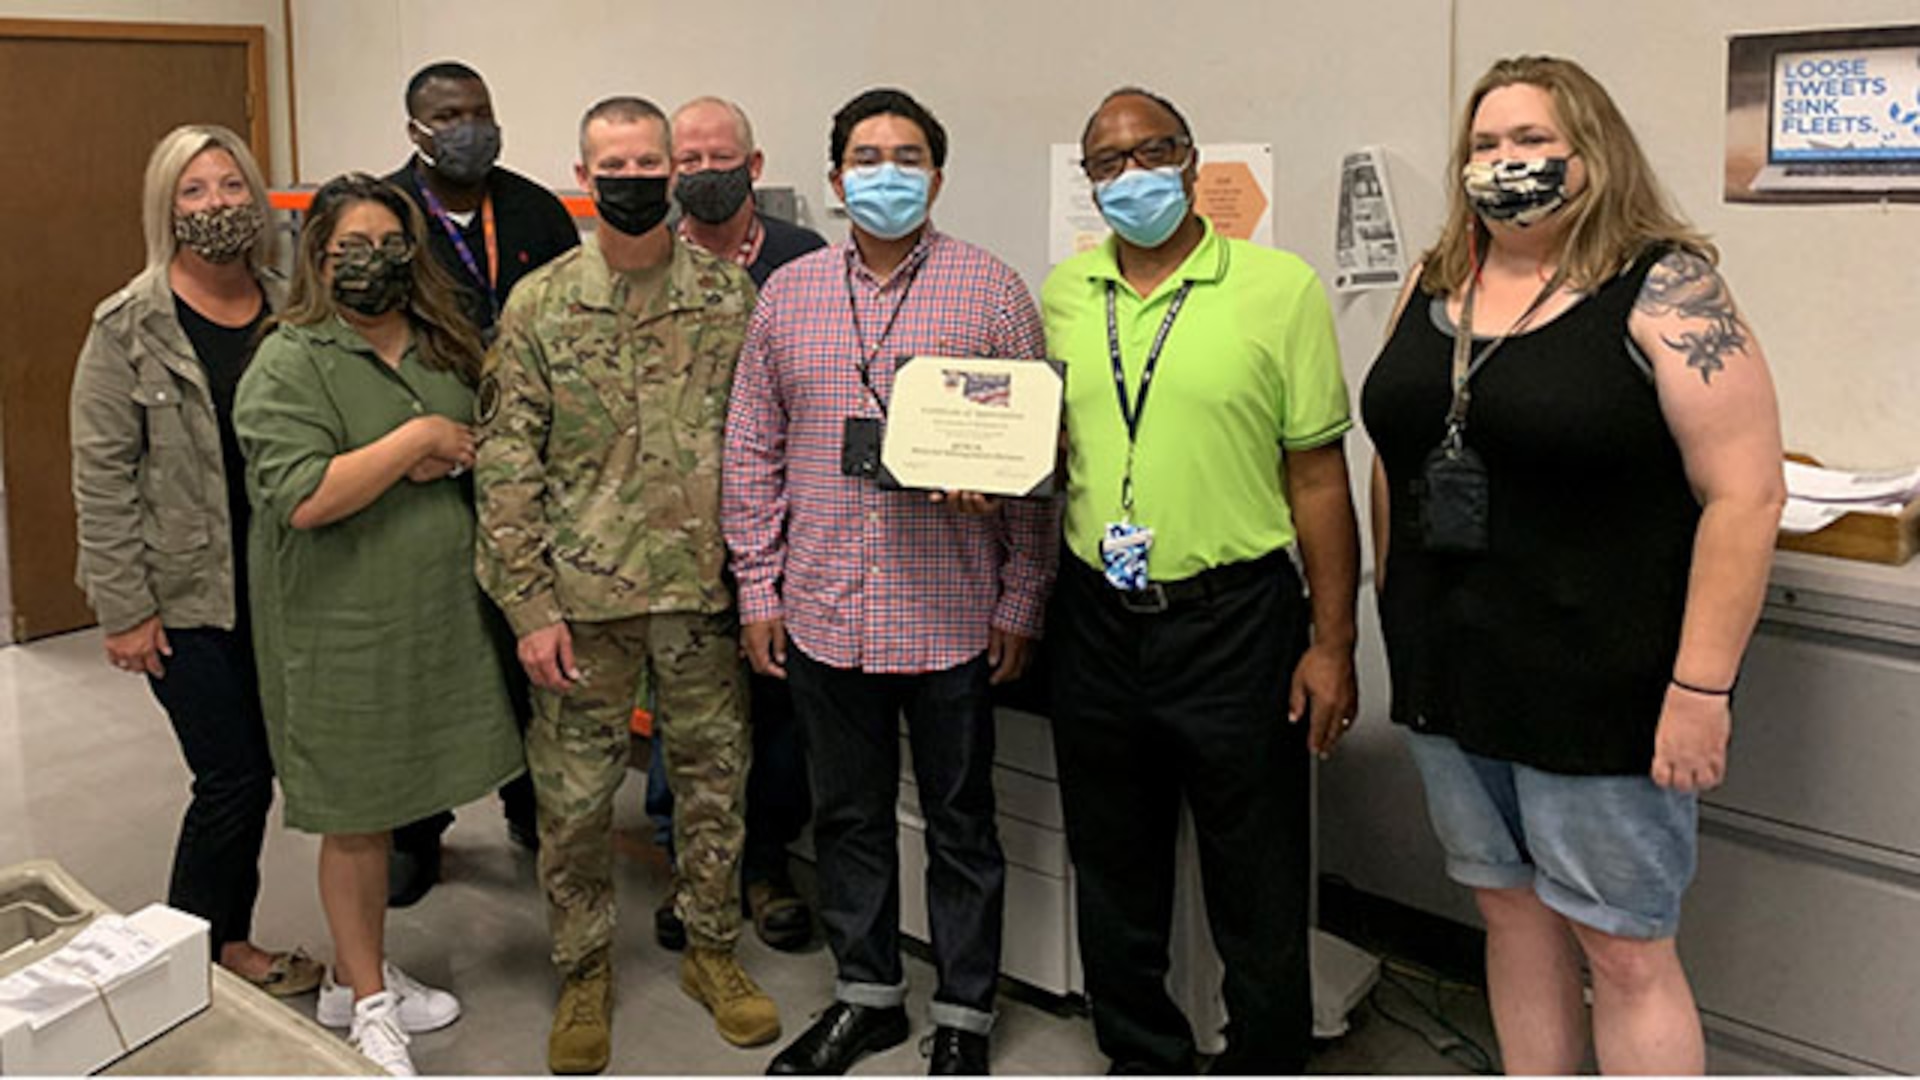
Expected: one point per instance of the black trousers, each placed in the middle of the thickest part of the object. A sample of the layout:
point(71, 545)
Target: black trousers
point(1186, 704)
point(852, 722)
point(212, 696)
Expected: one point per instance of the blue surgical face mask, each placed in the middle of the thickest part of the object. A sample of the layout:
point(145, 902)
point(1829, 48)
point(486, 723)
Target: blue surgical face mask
point(886, 200)
point(1144, 206)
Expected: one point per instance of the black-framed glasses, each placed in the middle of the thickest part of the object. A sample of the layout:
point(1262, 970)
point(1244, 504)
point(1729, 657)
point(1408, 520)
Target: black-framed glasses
point(396, 248)
point(1155, 153)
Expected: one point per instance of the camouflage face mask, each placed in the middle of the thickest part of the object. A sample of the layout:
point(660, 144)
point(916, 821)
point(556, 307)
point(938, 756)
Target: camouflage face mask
point(220, 234)
point(1521, 191)
point(371, 282)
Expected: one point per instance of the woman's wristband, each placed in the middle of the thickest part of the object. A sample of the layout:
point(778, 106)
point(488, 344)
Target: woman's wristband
point(1703, 690)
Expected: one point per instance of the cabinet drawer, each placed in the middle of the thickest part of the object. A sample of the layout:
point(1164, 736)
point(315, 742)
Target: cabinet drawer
point(1035, 847)
point(1036, 946)
point(1016, 793)
point(1826, 732)
point(1793, 935)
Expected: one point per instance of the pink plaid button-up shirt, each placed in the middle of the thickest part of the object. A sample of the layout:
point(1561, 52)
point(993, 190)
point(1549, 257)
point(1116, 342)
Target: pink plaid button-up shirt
point(881, 581)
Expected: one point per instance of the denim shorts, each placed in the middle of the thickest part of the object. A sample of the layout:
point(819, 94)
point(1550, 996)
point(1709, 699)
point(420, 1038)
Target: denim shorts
point(1611, 852)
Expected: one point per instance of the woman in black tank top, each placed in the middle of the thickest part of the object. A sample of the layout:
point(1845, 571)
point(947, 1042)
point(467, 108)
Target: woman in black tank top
point(1571, 554)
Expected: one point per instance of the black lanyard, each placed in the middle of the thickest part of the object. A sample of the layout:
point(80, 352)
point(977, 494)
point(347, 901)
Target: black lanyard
point(869, 355)
point(1464, 368)
point(1131, 412)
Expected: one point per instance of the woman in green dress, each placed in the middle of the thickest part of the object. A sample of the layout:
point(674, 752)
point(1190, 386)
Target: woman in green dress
point(384, 697)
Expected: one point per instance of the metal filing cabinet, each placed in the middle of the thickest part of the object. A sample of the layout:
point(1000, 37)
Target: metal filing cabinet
point(1802, 930)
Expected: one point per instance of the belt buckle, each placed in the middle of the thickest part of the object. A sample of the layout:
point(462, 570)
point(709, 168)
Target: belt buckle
point(1151, 600)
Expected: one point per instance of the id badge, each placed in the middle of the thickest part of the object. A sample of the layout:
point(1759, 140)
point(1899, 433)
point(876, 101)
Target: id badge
point(860, 447)
point(1123, 555)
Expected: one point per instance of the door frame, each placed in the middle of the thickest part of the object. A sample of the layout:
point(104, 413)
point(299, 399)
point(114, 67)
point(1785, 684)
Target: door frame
point(253, 37)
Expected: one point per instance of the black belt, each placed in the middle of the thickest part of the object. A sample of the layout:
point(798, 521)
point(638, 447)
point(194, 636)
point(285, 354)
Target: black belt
point(1208, 584)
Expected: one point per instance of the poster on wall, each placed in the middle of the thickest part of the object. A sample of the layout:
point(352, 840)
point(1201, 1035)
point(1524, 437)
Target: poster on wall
point(1234, 190)
point(1824, 116)
point(1366, 235)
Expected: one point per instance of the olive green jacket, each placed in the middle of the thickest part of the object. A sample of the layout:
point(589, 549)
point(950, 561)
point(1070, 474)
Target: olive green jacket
point(149, 482)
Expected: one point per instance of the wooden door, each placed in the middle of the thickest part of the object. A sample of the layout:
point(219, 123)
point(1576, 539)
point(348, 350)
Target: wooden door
point(81, 106)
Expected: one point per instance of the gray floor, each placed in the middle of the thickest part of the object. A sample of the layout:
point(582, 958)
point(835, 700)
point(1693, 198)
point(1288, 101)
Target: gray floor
point(90, 776)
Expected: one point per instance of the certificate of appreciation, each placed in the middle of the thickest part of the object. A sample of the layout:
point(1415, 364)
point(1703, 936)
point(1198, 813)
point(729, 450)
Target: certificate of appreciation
point(973, 424)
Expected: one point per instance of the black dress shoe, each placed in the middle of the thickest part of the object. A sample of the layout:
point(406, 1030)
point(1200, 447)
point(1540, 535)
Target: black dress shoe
point(411, 873)
point(843, 1035)
point(957, 1053)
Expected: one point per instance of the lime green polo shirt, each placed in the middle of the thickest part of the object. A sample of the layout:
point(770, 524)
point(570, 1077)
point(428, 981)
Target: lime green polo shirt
point(1250, 369)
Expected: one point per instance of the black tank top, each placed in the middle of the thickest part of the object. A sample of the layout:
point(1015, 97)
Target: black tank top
point(1553, 649)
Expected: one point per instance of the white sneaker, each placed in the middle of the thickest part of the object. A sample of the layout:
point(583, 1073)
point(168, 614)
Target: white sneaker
point(376, 1033)
point(421, 1007)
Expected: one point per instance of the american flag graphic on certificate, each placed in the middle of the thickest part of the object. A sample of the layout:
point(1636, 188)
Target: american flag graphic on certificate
point(979, 388)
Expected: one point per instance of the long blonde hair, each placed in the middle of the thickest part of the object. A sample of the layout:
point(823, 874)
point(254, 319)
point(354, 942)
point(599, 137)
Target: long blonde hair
point(171, 156)
point(448, 341)
point(1622, 211)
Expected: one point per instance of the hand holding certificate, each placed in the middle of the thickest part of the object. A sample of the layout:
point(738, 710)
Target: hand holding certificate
point(973, 424)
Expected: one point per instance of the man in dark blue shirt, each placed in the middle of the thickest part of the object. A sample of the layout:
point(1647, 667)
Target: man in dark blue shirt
point(715, 166)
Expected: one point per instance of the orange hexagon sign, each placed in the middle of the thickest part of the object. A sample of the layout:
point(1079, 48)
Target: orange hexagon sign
point(1230, 197)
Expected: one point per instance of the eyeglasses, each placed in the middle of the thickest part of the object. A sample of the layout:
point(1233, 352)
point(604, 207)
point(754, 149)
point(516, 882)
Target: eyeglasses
point(907, 157)
point(1157, 153)
point(395, 247)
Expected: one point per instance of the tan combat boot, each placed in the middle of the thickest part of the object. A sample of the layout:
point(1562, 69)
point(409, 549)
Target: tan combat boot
point(743, 1014)
point(582, 1035)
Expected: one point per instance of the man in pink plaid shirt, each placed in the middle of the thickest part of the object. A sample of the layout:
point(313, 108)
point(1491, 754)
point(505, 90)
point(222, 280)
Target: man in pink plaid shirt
point(870, 602)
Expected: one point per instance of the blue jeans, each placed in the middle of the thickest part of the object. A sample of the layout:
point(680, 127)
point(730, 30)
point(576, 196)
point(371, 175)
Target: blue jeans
point(853, 732)
point(1612, 852)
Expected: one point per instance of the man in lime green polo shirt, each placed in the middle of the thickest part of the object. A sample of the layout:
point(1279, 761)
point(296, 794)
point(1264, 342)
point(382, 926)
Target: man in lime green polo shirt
point(1205, 410)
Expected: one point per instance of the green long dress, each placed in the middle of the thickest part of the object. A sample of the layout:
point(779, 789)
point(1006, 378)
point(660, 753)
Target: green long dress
point(384, 696)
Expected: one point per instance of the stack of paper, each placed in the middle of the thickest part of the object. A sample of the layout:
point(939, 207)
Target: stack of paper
point(1818, 497)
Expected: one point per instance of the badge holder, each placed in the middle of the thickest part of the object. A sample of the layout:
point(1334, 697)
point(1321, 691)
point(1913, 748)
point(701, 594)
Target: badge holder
point(860, 438)
point(1124, 552)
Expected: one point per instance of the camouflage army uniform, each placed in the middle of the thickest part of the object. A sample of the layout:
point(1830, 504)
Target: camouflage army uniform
point(599, 482)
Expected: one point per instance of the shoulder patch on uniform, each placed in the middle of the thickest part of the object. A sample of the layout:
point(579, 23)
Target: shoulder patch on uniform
point(488, 404)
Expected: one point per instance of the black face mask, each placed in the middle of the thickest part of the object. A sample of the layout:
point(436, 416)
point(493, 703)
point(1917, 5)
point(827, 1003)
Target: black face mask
point(631, 204)
point(714, 195)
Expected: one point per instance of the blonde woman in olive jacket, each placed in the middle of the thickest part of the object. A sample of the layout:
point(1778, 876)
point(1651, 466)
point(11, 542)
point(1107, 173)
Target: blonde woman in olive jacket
point(158, 485)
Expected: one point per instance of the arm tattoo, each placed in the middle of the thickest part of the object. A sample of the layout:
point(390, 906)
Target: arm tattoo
point(1686, 285)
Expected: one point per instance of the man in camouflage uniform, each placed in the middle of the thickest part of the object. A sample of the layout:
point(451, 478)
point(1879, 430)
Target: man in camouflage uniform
point(599, 480)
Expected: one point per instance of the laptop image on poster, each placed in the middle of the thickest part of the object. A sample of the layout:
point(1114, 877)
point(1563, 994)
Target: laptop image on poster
point(1843, 120)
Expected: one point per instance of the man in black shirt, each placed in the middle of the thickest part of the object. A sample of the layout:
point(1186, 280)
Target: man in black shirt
point(489, 226)
point(715, 166)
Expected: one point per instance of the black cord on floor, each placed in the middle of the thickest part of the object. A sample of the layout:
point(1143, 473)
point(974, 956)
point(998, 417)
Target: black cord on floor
point(1456, 1045)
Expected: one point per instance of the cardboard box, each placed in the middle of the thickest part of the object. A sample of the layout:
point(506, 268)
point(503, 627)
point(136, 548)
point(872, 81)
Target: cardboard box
point(128, 1009)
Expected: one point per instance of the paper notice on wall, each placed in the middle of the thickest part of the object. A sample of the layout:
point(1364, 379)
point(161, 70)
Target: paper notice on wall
point(1366, 242)
point(1234, 189)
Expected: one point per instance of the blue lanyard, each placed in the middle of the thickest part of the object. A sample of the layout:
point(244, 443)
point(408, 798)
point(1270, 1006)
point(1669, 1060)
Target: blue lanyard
point(485, 279)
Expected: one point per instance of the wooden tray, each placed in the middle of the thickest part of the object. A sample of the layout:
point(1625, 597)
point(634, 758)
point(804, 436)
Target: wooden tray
point(1880, 538)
